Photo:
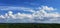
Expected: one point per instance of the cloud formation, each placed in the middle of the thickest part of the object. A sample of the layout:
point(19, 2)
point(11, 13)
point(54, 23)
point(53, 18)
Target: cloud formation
point(16, 8)
point(40, 16)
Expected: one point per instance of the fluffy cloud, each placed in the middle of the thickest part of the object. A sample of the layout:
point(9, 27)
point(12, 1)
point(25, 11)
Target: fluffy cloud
point(47, 8)
point(40, 16)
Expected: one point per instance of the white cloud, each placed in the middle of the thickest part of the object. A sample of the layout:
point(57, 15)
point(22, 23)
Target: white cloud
point(2, 17)
point(17, 8)
point(16, 16)
point(48, 8)
point(40, 14)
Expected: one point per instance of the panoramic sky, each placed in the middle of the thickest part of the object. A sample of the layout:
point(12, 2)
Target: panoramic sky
point(30, 11)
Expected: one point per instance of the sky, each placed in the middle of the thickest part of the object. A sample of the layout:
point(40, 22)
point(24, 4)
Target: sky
point(32, 3)
point(30, 11)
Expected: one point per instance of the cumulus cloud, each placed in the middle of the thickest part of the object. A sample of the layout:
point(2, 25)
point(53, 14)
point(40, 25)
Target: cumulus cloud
point(39, 16)
point(47, 8)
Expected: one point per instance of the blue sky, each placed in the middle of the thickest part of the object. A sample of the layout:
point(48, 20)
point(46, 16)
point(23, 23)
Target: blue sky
point(31, 3)
point(54, 3)
point(30, 9)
